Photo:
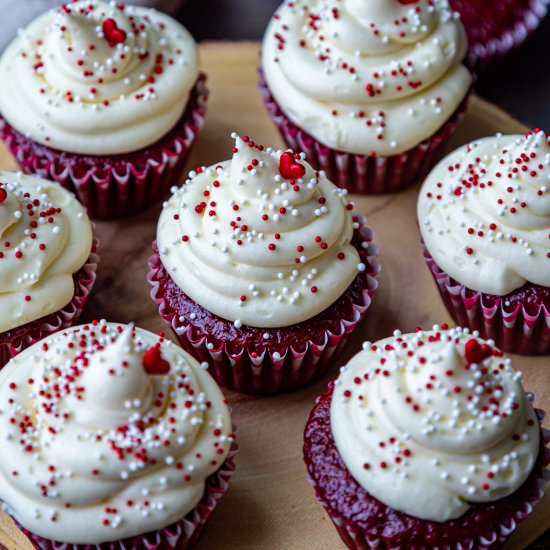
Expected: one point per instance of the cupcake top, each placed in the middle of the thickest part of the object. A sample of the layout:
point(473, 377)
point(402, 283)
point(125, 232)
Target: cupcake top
point(45, 237)
point(98, 78)
point(261, 239)
point(108, 432)
point(430, 422)
point(366, 76)
point(484, 213)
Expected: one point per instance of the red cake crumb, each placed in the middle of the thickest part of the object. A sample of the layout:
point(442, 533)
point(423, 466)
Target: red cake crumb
point(94, 178)
point(28, 330)
point(220, 330)
point(345, 498)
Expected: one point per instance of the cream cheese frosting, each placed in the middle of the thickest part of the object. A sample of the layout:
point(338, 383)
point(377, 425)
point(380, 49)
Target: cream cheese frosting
point(484, 213)
point(261, 239)
point(108, 431)
point(365, 76)
point(45, 237)
point(98, 78)
point(430, 422)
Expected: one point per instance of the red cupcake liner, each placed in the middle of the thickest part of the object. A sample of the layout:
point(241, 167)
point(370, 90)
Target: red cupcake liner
point(490, 54)
point(116, 186)
point(514, 330)
point(16, 340)
point(364, 174)
point(357, 539)
point(179, 536)
point(273, 370)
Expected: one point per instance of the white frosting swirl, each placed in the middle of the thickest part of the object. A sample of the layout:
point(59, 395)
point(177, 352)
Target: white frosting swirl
point(255, 248)
point(45, 237)
point(484, 213)
point(366, 75)
point(427, 430)
point(95, 448)
point(73, 89)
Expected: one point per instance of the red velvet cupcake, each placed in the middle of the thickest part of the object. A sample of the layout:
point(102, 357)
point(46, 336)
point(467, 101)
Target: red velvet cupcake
point(148, 465)
point(370, 91)
point(48, 261)
point(261, 269)
point(495, 28)
point(484, 214)
point(104, 99)
point(403, 450)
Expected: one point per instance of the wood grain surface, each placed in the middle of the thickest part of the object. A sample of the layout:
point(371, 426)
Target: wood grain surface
point(270, 504)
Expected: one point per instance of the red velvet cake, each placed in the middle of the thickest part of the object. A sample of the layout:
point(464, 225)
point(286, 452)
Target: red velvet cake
point(106, 99)
point(369, 91)
point(261, 269)
point(115, 186)
point(14, 340)
point(405, 459)
point(365, 174)
point(484, 215)
point(48, 261)
point(518, 322)
point(148, 465)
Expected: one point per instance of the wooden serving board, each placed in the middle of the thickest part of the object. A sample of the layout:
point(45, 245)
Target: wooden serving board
point(270, 504)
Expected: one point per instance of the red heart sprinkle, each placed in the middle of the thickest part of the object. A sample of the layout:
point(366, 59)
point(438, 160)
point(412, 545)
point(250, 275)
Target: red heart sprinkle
point(140, 425)
point(407, 2)
point(289, 168)
point(153, 362)
point(476, 352)
point(112, 33)
point(3, 195)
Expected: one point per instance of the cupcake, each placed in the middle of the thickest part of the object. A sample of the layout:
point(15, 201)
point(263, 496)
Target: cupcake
point(497, 28)
point(47, 261)
point(112, 436)
point(484, 215)
point(427, 441)
point(369, 90)
point(261, 269)
point(106, 100)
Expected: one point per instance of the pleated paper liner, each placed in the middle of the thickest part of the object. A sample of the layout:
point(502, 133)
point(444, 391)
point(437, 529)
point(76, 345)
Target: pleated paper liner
point(16, 340)
point(116, 186)
point(181, 535)
point(383, 537)
point(364, 174)
point(276, 369)
point(514, 329)
point(488, 54)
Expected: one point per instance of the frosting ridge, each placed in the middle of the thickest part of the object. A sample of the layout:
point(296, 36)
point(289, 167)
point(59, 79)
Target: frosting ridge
point(363, 76)
point(433, 421)
point(45, 237)
point(101, 448)
point(484, 213)
point(254, 246)
point(97, 78)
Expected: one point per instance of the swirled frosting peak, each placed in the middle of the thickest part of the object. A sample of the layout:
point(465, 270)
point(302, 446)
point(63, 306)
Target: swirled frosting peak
point(484, 213)
point(98, 78)
point(107, 432)
point(433, 421)
point(261, 239)
point(45, 237)
point(107, 395)
point(366, 76)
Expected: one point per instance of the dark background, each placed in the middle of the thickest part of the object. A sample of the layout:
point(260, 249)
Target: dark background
point(521, 85)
